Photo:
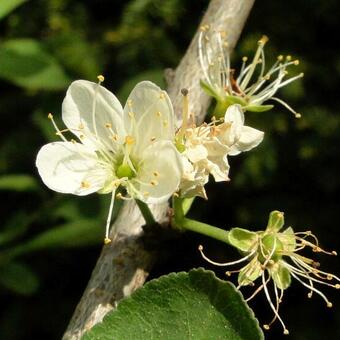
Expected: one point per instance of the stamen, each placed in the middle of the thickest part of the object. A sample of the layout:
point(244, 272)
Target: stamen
point(200, 248)
point(108, 221)
point(85, 184)
point(58, 133)
point(100, 78)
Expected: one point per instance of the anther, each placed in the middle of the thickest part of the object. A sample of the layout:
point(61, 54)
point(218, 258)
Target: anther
point(263, 40)
point(108, 125)
point(297, 115)
point(334, 253)
point(119, 196)
point(309, 295)
point(329, 277)
point(50, 116)
point(176, 194)
point(280, 58)
point(107, 240)
point(266, 327)
point(131, 114)
point(289, 58)
point(146, 194)
point(152, 139)
point(162, 95)
point(286, 332)
point(165, 123)
point(81, 136)
point(337, 286)
point(228, 274)
point(73, 141)
point(85, 184)
point(153, 182)
point(129, 102)
point(296, 62)
point(101, 78)
point(129, 140)
point(329, 304)
point(158, 114)
point(81, 126)
point(244, 59)
point(184, 92)
point(156, 173)
point(200, 247)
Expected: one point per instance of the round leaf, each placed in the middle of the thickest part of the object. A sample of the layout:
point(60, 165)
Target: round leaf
point(194, 305)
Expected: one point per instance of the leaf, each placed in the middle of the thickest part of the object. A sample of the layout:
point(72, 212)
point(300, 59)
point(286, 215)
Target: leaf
point(7, 6)
point(18, 183)
point(275, 221)
point(258, 108)
point(25, 62)
point(194, 305)
point(242, 239)
point(19, 278)
point(80, 233)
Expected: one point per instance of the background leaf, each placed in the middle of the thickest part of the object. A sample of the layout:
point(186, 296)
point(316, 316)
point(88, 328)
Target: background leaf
point(194, 305)
point(25, 62)
point(7, 6)
point(18, 183)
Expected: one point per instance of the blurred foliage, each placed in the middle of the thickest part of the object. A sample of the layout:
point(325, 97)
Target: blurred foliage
point(49, 242)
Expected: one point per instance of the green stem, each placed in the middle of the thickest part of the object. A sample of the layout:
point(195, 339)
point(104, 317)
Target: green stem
point(182, 222)
point(146, 212)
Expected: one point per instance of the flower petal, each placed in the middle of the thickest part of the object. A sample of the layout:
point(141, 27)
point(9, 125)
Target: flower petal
point(159, 172)
point(88, 110)
point(148, 115)
point(70, 168)
point(249, 139)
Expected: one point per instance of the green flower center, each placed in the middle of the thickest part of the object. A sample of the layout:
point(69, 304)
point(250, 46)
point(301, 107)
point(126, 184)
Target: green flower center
point(268, 243)
point(124, 170)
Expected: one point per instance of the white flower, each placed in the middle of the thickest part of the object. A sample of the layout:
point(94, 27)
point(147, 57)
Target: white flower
point(253, 85)
point(207, 148)
point(130, 148)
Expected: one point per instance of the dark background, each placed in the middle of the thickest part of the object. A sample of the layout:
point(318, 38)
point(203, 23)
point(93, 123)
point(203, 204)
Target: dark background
point(295, 169)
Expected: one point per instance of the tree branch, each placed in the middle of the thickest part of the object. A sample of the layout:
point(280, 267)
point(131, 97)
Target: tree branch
point(123, 265)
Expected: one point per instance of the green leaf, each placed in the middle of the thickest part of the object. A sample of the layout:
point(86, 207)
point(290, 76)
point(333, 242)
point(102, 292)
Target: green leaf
point(281, 277)
point(80, 233)
point(242, 239)
point(194, 305)
point(258, 108)
point(19, 278)
point(275, 221)
point(7, 6)
point(18, 183)
point(25, 62)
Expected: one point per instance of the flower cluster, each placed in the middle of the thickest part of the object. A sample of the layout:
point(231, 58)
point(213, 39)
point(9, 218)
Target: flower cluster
point(274, 256)
point(253, 86)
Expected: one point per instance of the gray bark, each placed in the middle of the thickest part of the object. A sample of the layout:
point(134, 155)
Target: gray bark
point(124, 264)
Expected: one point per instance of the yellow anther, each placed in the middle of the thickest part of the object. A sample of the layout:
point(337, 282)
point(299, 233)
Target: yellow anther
point(101, 78)
point(162, 95)
point(244, 59)
point(263, 40)
point(289, 58)
point(73, 141)
point(146, 194)
point(114, 137)
point(310, 294)
point(81, 136)
point(153, 182)
point(329, 304)
point(85, 184)
point(223, 34)
point(280, 57)
point(156, 173)
point(286, 332)
point(165, 123)
point(266, 327)
point(108, 125)
point(337, 286)
point(152, 139)
point(329, 276)
point(200, 247)
point(119, 196)
point(176, 194)
point(158, 114)
point(131, 114)
point(302, 74)
point(107, 240)
point(297, 115)
point(334, 253)
point(81, 126)
point(50, 116)
point(129, 102)
point(296, 62)
point(129, 140)
point(225, 44)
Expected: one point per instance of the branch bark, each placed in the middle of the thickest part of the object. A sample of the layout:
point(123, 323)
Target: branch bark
point(123, 266)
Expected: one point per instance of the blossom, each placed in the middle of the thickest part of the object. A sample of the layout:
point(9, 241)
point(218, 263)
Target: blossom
point(274, 255)
point(131, 148)
point(252, 86)
point(207, 147)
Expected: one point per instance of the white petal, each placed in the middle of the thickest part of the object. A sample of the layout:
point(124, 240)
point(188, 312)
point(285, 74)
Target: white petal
point(87, 109)
point(196, 153)
point(159, 172)
point(64, 166)
point(148, 115)
point(249, 139)
point(235, 117)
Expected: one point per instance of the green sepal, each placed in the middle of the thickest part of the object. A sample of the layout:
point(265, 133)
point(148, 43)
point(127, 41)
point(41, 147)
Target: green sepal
point(258, 108)
point(288, 240)
point(236, 100)
point(275, 221)
point(281, 276)
point(250, 272)
point(242, 239)
point(209, 90)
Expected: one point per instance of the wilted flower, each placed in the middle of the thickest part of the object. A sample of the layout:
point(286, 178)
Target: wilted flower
point(274, 255)
point(252, 86)
point(131, 148)
point(207, 146)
